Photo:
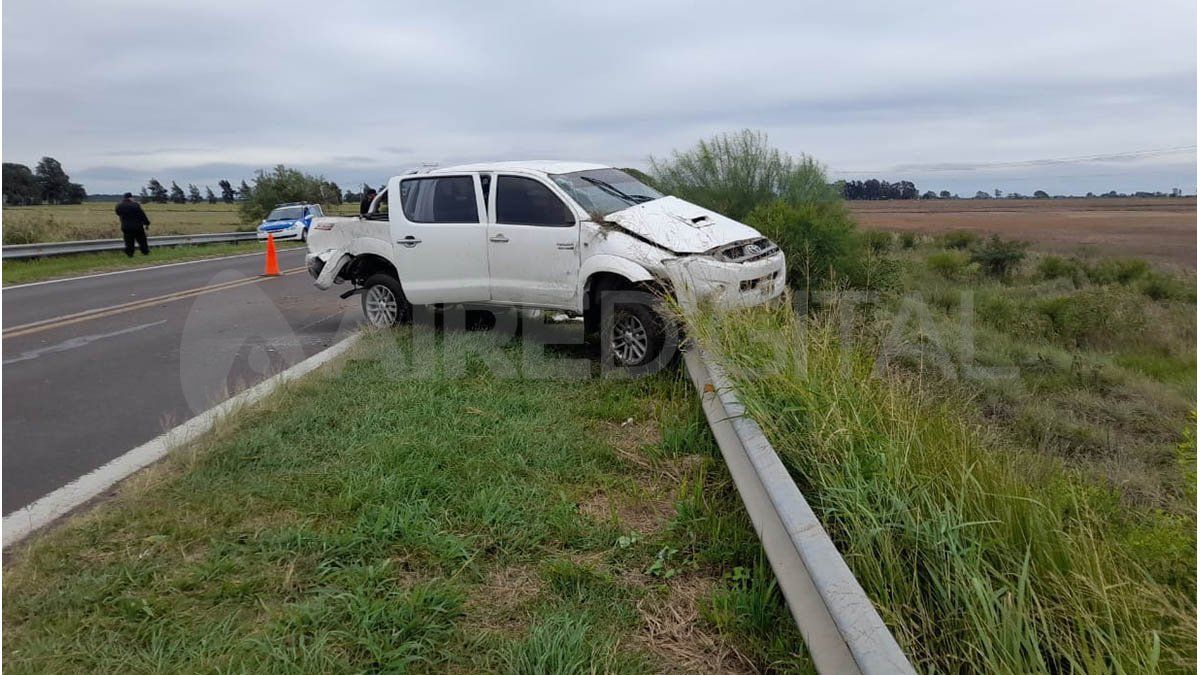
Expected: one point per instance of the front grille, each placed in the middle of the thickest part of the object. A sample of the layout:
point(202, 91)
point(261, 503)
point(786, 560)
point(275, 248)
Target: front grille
point(746, 251)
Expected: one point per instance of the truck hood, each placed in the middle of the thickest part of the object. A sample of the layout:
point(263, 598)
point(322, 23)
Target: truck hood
point(681, 226)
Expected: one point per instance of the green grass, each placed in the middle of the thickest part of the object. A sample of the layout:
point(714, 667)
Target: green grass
point(1097, 370)
point(981, 554)
point(55, 267)
point(380, 518)
point(96, 220)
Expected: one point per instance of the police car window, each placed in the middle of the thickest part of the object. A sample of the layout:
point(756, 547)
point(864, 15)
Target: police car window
point(524, 201)
point(443, 199)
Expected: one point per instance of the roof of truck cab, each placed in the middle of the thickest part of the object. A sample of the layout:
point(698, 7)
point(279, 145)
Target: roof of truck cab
point(540, 165)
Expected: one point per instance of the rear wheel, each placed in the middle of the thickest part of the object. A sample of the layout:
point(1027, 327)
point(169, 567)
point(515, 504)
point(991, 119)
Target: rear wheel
point(383, 301)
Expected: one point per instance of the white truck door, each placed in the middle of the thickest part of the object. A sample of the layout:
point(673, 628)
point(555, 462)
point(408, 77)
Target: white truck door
point(439, 237)
point(533, 244)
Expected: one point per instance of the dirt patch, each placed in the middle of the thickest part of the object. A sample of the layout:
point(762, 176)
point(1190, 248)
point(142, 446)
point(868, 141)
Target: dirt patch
point(645, 515)
point(673, 630)
point(1162, 230)
point(495, 605)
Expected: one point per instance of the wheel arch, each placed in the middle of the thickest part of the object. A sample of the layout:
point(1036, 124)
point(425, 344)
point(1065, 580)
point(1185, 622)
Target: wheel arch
point(362, 266)
point(609, 272)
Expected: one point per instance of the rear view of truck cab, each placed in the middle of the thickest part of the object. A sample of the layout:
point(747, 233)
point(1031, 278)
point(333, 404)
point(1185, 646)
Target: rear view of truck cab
point(545, 235)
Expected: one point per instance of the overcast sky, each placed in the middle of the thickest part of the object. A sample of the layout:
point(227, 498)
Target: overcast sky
point(953, 95)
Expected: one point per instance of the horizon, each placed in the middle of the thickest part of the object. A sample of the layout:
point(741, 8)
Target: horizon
point(948, 97)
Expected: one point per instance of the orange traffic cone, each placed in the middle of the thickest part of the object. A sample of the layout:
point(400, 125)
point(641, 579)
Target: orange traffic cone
point(272, 263)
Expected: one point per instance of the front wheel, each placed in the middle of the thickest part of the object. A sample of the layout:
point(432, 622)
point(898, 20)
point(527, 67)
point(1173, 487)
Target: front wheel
point(383, 302)
point(633, 336)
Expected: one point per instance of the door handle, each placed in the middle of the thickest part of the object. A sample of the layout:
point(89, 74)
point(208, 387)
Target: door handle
point(408, 242)
point(499, 239)
point(566, 246)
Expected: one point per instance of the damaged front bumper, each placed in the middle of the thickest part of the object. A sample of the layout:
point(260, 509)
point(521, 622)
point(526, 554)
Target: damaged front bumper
point(325, 266)
point(726, 285)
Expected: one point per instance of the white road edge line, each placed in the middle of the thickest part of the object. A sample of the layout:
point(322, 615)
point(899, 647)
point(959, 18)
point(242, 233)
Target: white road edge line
point(25, 521)
point(146, 268)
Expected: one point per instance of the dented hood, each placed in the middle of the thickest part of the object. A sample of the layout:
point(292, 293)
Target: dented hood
point(681, 226)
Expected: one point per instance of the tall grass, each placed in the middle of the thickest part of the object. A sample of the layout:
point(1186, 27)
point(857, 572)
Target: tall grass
point(981, 558)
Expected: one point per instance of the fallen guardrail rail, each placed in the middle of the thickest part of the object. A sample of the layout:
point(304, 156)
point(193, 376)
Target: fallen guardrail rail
point(841, 629)
point(52, 248)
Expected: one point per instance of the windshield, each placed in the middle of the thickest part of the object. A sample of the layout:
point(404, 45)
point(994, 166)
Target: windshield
point(603, 191)
point(287, 213)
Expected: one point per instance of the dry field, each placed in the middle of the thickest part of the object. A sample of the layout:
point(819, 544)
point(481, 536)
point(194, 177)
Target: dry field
point(1162, 230)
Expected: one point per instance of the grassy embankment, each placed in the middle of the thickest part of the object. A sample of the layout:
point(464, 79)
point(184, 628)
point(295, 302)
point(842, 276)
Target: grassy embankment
point(373, 520)
point(1038, 520)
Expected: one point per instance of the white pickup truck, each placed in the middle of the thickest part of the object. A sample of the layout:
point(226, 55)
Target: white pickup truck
point(546, 235)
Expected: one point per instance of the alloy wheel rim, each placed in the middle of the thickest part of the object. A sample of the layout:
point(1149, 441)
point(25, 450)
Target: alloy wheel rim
point(629, 339)
point(382, 307)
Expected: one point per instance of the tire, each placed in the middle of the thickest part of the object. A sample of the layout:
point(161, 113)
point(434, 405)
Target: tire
point(304, 234)
point(632, 337)
point(383, 302)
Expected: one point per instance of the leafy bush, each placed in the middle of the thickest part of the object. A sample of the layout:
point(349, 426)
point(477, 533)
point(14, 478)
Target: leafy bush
point(1118, 271)
point(908, 240)
point(1095, 317)
point(959, 239)
point(949, 264)
point(818, 240)
point(999, 257)
point(736, 173)
point(285, 185)
point(1163, 286)
point(877, 241)
point(1054, 267)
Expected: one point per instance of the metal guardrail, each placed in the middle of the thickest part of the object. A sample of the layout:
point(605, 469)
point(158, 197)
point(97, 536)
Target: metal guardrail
point(842, 630)
point(51, 248)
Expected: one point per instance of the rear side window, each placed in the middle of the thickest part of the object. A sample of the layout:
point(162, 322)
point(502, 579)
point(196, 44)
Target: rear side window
point(446, 199)
point(524, 201)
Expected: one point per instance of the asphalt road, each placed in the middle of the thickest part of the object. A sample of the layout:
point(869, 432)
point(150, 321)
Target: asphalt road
point(96, 366)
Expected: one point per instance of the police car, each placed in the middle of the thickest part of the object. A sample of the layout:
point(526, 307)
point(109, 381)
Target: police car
point(290, 221)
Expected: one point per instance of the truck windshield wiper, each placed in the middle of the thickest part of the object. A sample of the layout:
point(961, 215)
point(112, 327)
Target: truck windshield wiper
point(632, 199)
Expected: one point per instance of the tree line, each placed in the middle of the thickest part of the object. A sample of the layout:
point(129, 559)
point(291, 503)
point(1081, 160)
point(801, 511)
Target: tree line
point(155, 192)
point(882, 189)
point(877, 189)
point(48, 183)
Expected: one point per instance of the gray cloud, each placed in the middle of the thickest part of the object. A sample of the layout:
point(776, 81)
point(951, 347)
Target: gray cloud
point(951, 93)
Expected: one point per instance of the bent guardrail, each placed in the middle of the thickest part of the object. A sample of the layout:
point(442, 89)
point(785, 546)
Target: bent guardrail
point(842, 630)
point(52, 248)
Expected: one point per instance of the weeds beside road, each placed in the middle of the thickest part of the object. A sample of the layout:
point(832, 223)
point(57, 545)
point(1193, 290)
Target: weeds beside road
point(370, 520)
point(1002, 447)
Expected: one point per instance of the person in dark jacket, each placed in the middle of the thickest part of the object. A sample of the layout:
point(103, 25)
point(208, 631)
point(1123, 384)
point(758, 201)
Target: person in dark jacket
point(133, 225)
point(368, 197)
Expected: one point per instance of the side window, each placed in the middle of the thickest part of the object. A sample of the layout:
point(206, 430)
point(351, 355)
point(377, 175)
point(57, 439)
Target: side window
point(445, 199)
point(316, 211)
point(524, 201)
